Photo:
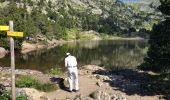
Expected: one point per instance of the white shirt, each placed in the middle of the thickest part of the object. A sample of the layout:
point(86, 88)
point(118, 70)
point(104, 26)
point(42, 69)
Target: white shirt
point(70, 61)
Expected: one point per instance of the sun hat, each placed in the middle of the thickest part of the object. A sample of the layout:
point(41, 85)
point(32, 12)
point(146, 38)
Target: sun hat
point(67, 53)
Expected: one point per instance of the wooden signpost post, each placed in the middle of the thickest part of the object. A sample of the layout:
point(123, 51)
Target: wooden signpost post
point(11, 34)
point(11, 28)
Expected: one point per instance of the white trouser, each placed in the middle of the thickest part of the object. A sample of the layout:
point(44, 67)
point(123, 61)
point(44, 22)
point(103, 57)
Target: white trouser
point(73, 78)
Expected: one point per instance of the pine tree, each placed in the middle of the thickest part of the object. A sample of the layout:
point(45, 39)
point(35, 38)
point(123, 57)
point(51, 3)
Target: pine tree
point(158, 55)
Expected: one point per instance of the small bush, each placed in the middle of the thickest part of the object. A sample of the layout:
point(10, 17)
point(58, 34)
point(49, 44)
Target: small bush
point(93, 95)
point(65, 36)
point(29, 82)
point(55, 72)
point(21, 98)
point(4, 95)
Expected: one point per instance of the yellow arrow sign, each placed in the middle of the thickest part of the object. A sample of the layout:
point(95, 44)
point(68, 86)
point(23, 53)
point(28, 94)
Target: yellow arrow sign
point(15, 34)
point(4, 28)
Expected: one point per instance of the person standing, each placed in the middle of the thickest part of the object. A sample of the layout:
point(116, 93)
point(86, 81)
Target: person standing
point(71, 64)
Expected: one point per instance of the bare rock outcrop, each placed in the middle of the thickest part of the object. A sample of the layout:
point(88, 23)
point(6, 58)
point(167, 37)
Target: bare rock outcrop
point(27, 47)
point(3, 52)
point(30, 93)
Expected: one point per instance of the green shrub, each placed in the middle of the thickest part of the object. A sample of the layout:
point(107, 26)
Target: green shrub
point(93, 95)
point(21, 98)
point(55, 72)
point(65, 36)
point(4, 95)
point(77, 36)
point(29, 82)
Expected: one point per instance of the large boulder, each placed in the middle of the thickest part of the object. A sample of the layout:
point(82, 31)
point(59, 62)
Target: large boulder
point(101, 95)
point(92, 67)
point(30, 93)
point(27, 47)
point(3, 52)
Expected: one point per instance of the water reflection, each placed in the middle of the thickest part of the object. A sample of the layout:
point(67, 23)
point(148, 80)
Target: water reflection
point(118, 53)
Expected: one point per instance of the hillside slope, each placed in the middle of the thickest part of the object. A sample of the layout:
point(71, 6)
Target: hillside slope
point(54, 17)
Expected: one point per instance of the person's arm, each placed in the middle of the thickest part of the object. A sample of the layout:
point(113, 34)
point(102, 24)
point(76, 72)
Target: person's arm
point(76, 61)
point(65, 62)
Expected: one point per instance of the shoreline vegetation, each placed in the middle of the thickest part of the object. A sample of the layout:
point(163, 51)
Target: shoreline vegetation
point(102, 84)
point(40, 41)
point(83, 36)
point(29, 47)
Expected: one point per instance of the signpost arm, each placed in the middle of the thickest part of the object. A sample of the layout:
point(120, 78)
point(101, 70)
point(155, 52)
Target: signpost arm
point(12, 60)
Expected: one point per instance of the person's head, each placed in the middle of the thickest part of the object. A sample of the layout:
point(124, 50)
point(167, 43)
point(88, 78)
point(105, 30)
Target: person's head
point(67, 54)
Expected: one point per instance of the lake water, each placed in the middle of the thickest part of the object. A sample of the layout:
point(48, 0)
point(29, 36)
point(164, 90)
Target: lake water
point(105, 53)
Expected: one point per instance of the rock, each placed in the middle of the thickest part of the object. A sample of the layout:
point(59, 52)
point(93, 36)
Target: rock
point(118, 97)
point(81, 97)
point(99, 84)
point(85, 72)
point(100, 95)
point(102, 77)
point(107, 84)
point(86, 98)
point(66, 81)
point(44, 98)
point(52, 42)
point(103, 96)
point(27, 47)
point(40, 46)
point(30, 93)
point(92, 67)
point(3, 52)
point(41, 37)
point(2, 87)
point(7, 83)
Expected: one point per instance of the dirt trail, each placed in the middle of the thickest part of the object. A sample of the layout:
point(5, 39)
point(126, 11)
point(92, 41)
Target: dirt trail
point(88, 85)
point(90, 82)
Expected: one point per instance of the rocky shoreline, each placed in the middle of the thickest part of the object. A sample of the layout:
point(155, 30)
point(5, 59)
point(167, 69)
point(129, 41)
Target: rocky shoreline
point(28, 47)
point(96, 83)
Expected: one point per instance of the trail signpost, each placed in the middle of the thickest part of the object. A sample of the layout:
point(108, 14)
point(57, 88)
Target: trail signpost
point(4, 28)
point(11, 33)
point(16, 34)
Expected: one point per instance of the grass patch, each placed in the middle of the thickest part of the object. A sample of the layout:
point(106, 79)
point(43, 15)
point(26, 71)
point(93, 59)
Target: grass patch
point(55, 72)
point(29, 82)
point(21, 98)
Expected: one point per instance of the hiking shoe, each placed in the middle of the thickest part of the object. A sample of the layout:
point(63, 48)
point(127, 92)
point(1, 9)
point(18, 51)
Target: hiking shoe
point(76, 90)
point(70, 91)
